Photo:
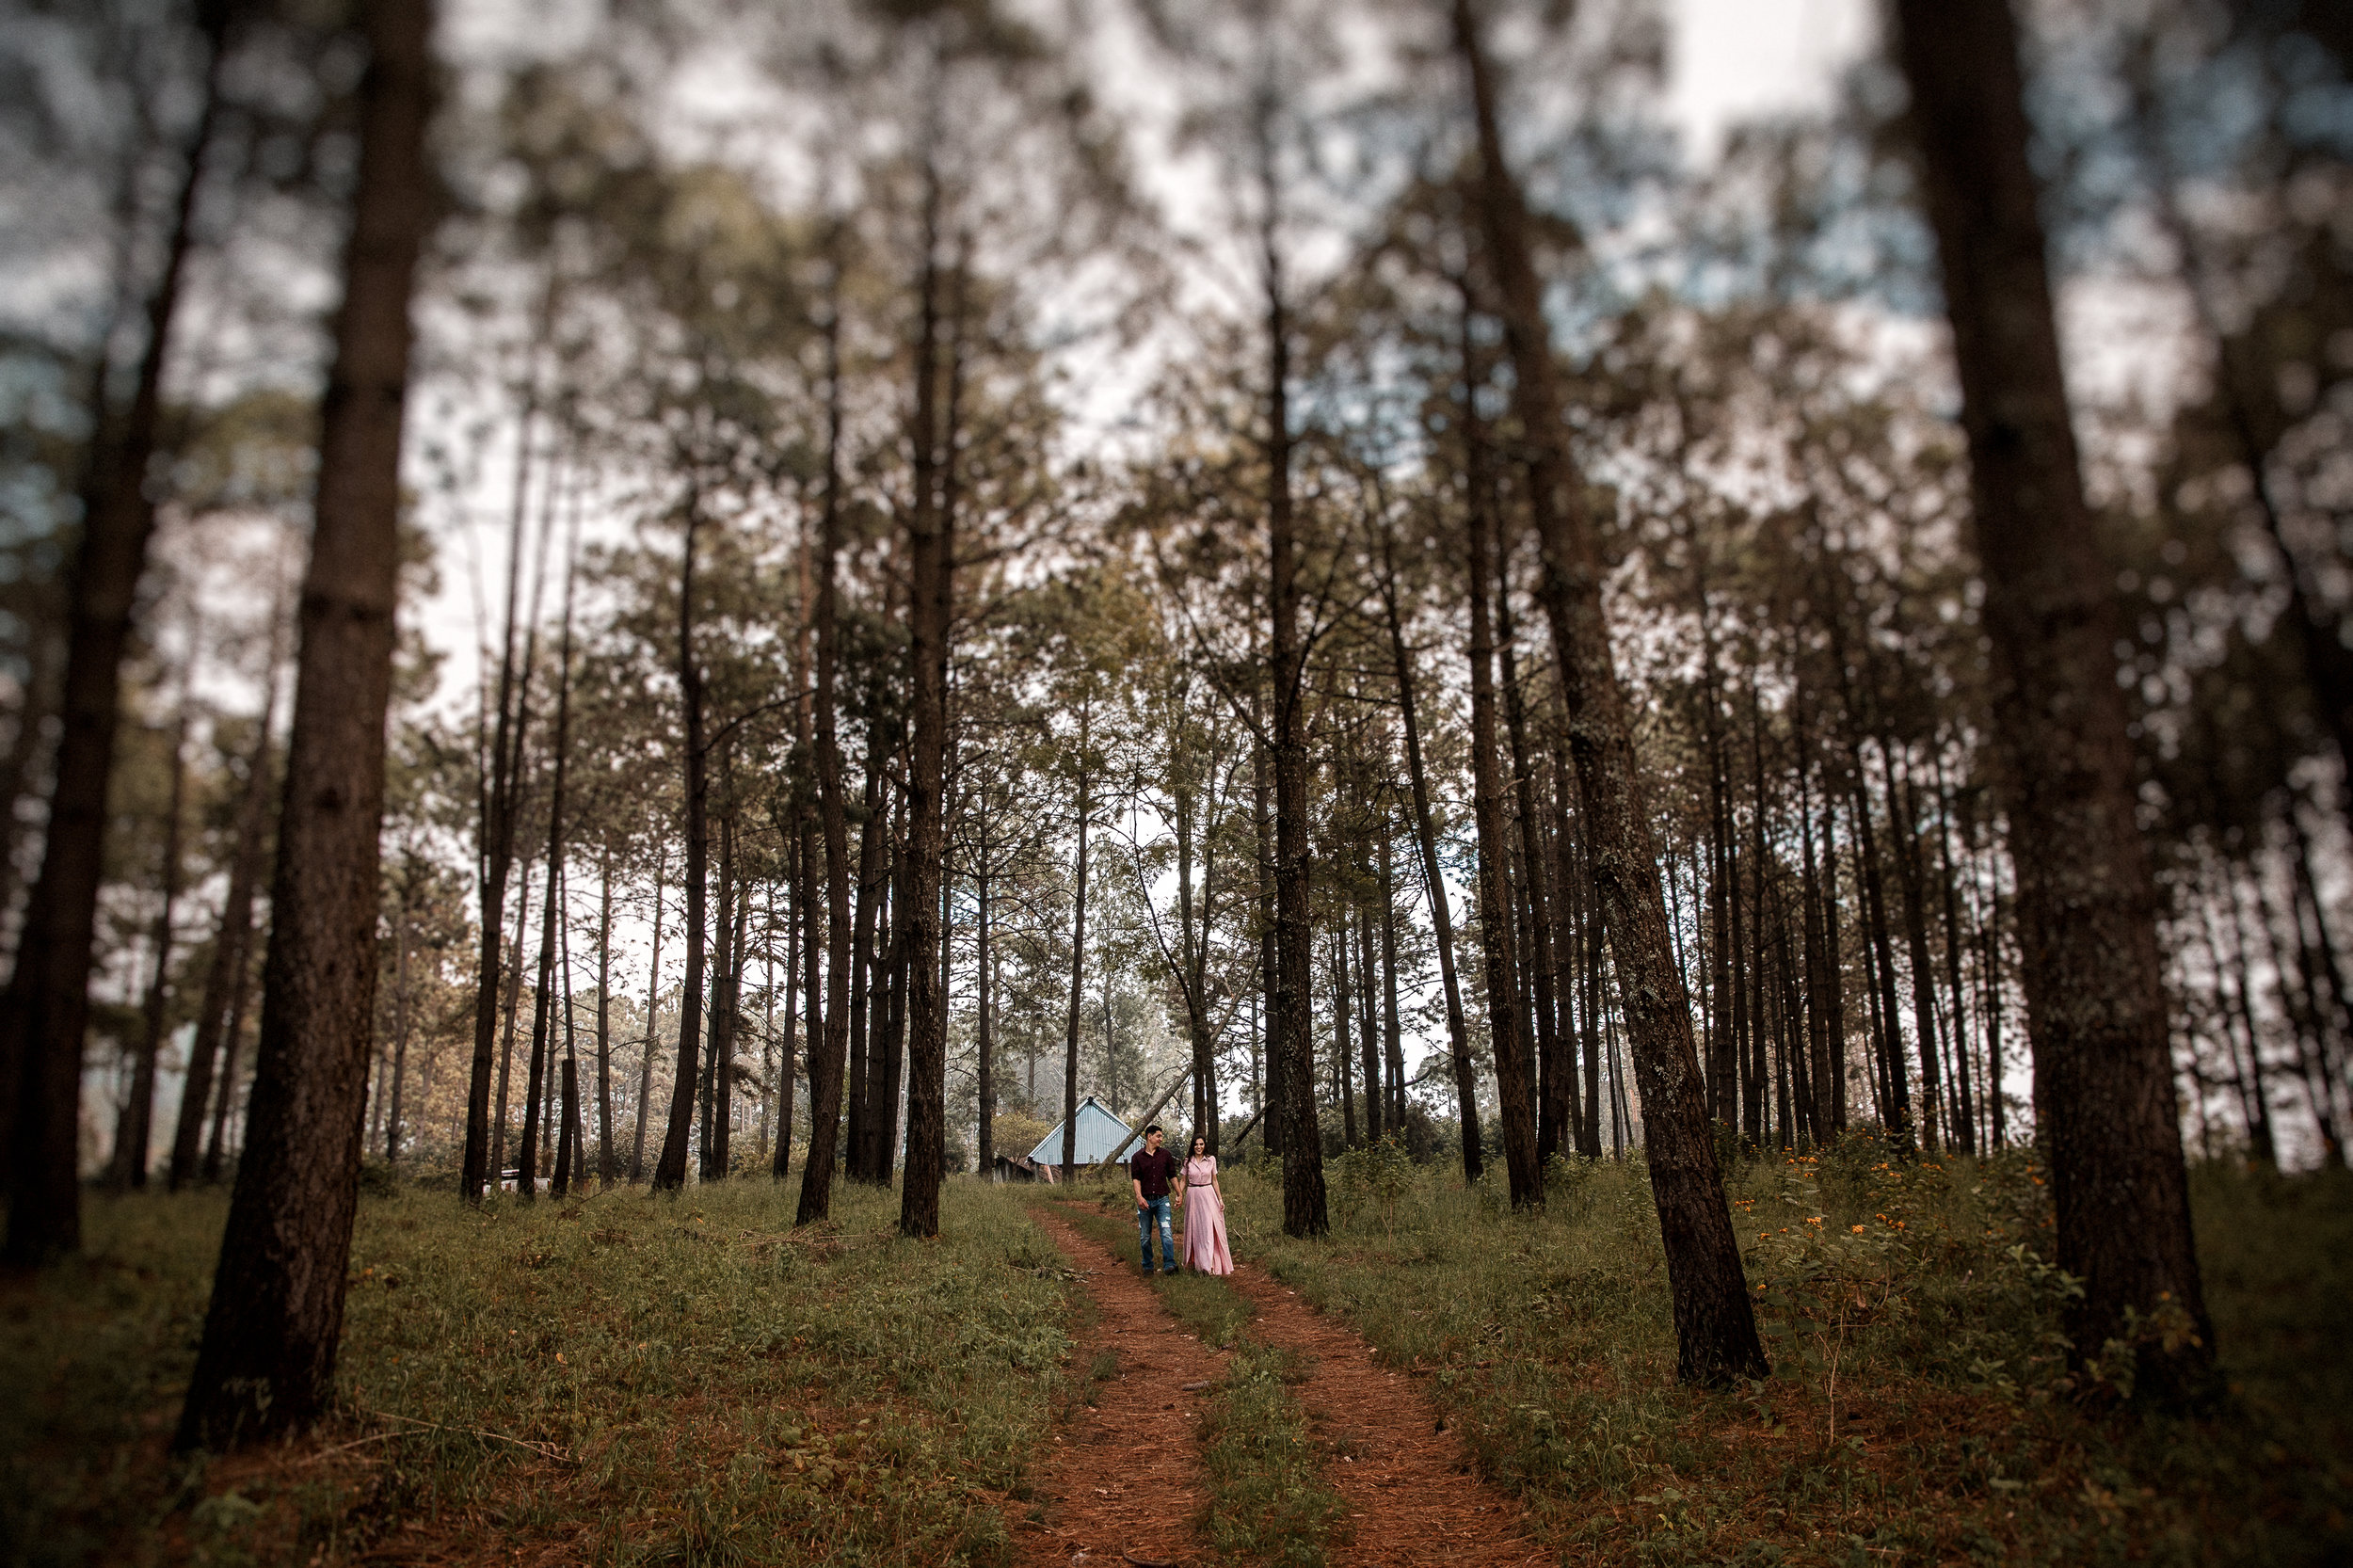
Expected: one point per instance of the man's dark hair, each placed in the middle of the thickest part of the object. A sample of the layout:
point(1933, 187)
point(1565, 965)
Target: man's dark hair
point(1153, 1129)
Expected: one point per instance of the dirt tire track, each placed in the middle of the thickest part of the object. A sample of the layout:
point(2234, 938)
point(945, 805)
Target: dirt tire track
point(1413, 1495)
point(1104, 1491)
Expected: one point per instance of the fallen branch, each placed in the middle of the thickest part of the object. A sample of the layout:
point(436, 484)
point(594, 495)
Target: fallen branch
point(545, 1450)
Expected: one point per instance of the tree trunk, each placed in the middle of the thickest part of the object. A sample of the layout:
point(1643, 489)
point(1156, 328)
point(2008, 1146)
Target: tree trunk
point(1514, 1092)
point(2087, 898)
point(930, 619)
point(266, 1363)
point(400, 1026)
point(1715, 1326)
point(44, 1012)
point(865, 977)
point(1537, 895)
point(828, 1057)
point(720, 1025)
point(670, 1171)
point(134, 1128)
point(1434, 879)
point(1303, 1203)
point(604, 1016)
point(983, 1028)
point(653, 1009)
point(1393, 1040)
point(1077, 959)
point(486, 1141)
point(232, 940)
point(1367, 1028)
point(1904, 829)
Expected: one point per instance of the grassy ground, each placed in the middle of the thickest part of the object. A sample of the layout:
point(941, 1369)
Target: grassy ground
point(1260, 1449)
point(1919, 1409)
point(625, 1381)
point(632, 1380)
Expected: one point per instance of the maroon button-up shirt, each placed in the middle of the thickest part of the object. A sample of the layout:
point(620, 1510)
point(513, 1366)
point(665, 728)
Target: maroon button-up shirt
point(1153, 1169)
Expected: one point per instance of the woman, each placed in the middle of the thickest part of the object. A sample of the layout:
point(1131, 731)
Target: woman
point(1203, 1204)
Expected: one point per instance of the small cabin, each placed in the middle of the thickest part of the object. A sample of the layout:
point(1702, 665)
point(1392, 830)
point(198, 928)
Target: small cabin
point(1100, 1134)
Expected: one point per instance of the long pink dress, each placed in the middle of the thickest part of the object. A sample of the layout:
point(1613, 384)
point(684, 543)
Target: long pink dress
point(1205, 1218)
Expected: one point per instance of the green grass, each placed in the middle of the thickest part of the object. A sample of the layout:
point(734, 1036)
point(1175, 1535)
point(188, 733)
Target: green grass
point(626, 1379)
point(1260, 1452)
point(634, 1381)
point(1920, 1404)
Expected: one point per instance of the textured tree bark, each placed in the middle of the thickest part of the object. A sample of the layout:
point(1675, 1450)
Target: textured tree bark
point(2087, 898)
point(828, 1055)
point(266, 1363)
point(1715, 1326)
point(44, 1012)
point(931, 611)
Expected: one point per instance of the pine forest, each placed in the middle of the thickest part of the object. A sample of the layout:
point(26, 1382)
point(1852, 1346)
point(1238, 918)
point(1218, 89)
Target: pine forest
point(1641, 710)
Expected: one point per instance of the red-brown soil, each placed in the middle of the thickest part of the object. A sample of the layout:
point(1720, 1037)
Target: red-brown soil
point(1413, 1497)
point(1125, 1480)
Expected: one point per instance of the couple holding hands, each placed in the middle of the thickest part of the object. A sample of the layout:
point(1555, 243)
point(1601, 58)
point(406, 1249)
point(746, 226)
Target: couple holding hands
point(1154, 1174)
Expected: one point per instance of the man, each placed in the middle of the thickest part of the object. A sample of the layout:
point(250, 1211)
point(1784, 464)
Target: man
point(1150, 1173)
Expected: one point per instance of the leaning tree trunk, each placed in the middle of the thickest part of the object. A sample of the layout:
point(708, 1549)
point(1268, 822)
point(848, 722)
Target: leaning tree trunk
point(1715, 1326)
point(267, 1364)
point(2087, 898)
point(44, 1012)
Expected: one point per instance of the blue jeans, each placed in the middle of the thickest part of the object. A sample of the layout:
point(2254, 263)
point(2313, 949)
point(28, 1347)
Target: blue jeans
point(1156, 1208)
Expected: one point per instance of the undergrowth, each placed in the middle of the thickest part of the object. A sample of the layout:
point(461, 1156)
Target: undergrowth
point(1920, 1406)
point(624, 1380)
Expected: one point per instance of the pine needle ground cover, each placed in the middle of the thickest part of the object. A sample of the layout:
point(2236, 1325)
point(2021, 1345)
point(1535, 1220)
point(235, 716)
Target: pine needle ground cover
point(624, 1380)
point(1920, 1410)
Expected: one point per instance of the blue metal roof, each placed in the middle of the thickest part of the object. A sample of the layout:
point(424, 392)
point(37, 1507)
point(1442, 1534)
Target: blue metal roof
point(1099, 1132)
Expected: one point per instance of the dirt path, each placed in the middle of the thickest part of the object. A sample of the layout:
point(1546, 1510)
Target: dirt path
point(1411, 1495)
point(1105, 1493)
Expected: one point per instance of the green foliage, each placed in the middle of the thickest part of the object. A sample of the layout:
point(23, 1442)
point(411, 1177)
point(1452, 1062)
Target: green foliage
point(625, 1380)
point(1920, 1407)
